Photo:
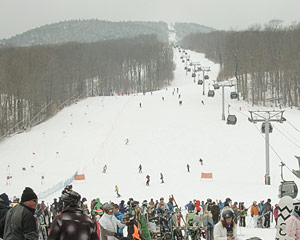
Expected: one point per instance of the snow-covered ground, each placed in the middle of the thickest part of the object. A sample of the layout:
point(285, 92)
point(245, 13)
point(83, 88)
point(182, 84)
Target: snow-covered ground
point(164, 137)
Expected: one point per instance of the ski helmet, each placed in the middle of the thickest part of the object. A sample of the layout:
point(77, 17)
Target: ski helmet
point(108, 208)
point(227, 214)
point(70, 198)
point(296, 204)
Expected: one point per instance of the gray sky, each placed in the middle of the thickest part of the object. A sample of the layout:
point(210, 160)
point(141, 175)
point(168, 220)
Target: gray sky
point(18, 16)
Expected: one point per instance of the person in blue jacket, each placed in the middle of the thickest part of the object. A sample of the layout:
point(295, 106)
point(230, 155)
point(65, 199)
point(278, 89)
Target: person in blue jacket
point(119, 216)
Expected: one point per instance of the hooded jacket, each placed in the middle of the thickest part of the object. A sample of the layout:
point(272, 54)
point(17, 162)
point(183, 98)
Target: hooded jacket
point(73, 224)
point(293, 227)
point(220, 232)
point(109, 226)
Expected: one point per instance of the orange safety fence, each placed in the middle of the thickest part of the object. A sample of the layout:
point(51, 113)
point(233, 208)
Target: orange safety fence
point(206, 175)
point(79, 177)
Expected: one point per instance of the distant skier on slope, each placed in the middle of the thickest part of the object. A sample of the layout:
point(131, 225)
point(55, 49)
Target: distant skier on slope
point(162, 178)
point(140, 168)
point(188, 167)
point(104, 168)
point(148, 180)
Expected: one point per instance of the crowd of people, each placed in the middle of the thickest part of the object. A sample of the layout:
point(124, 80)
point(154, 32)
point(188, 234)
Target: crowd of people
point(71, 217)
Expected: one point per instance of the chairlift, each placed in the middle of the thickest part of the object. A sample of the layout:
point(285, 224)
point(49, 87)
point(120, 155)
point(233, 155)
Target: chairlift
point(183, 60)
point(231, 119)
point(181, 57)
point(200, 82)
point(211, 93)
point(216, 86)
point(287, 188)
point(185, 68)
point(199, 69)
point(188, 59)
point(185, 53)
point(189, 69)
point(234, 95)
point(206, 77)
point(179, 50)
point(263, 129)
point(193, 74)
point(191, 64)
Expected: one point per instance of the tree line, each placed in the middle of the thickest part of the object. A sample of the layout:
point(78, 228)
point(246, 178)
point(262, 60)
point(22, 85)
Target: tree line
point(264, 60)
point(38, 81)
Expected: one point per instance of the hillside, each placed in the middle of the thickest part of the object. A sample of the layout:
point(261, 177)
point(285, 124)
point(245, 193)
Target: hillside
point(92, 30)
point(185, 29)
point(163, 137)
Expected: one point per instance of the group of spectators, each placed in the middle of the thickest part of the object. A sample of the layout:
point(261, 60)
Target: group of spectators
point(72, 218)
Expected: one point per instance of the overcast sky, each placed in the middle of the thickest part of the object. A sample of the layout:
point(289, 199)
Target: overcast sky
point(18, 16)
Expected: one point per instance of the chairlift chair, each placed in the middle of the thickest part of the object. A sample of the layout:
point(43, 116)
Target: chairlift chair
point(231, 119)
point(216, 86)
point(188, 59)
point(263, 128)
point(185, 68)
point(193, 74)
point(189, 69)
point(183, 60)
point(200, 82)
point(211, 93)
point(181, 57)
point(206, 77)
point(288, 188)
point(234, 95)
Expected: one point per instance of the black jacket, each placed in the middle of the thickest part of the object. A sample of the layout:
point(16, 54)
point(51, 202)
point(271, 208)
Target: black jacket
point(73, 224)
point(3, 210)
point(20, 224)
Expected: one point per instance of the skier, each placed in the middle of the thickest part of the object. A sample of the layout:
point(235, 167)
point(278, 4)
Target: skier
point(254, 211)
point(226, 227)
point(188, 167)
point(179, 96)
point(202, 102)
point(148, 180)
point(140, 168)
point(267, 211)
point(180, 102)
point(117, 191)
point(161, 178)
point(109, 224)
point(140, 105)
point(126, 141)
point(201, 161)
point(163, 98)
point(104, 168)
point(72, 223)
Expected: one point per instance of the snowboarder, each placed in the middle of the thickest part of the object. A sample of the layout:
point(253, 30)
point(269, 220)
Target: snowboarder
point(267, 211)
point(163, 98)
point(201, 161)
point(104, 168)
point(117, 191)
point(140, 168)
point(162, 178)
point(148, 180)
point(126, 141)
point(188, 167)
point(179, 96)
point(180, 102)
point(140, 105)
point(202, 102)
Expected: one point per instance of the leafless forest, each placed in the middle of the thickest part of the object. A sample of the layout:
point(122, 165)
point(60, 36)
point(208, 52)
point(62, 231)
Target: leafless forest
point(36, 82)
point(264, 60)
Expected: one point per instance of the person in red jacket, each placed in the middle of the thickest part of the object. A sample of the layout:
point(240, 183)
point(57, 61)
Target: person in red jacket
point(275, 212)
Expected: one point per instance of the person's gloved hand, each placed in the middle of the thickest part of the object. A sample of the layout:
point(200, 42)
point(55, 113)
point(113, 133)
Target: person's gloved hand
point(118, 235)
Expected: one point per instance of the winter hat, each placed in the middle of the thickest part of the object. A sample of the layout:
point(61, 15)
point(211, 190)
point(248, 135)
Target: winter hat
point(4, 198)
point(28, 194)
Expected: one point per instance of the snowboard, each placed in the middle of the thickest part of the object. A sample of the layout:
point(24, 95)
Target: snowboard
point(284, 212)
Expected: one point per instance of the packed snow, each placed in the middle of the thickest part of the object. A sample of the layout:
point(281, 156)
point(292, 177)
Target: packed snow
point(163, 137)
